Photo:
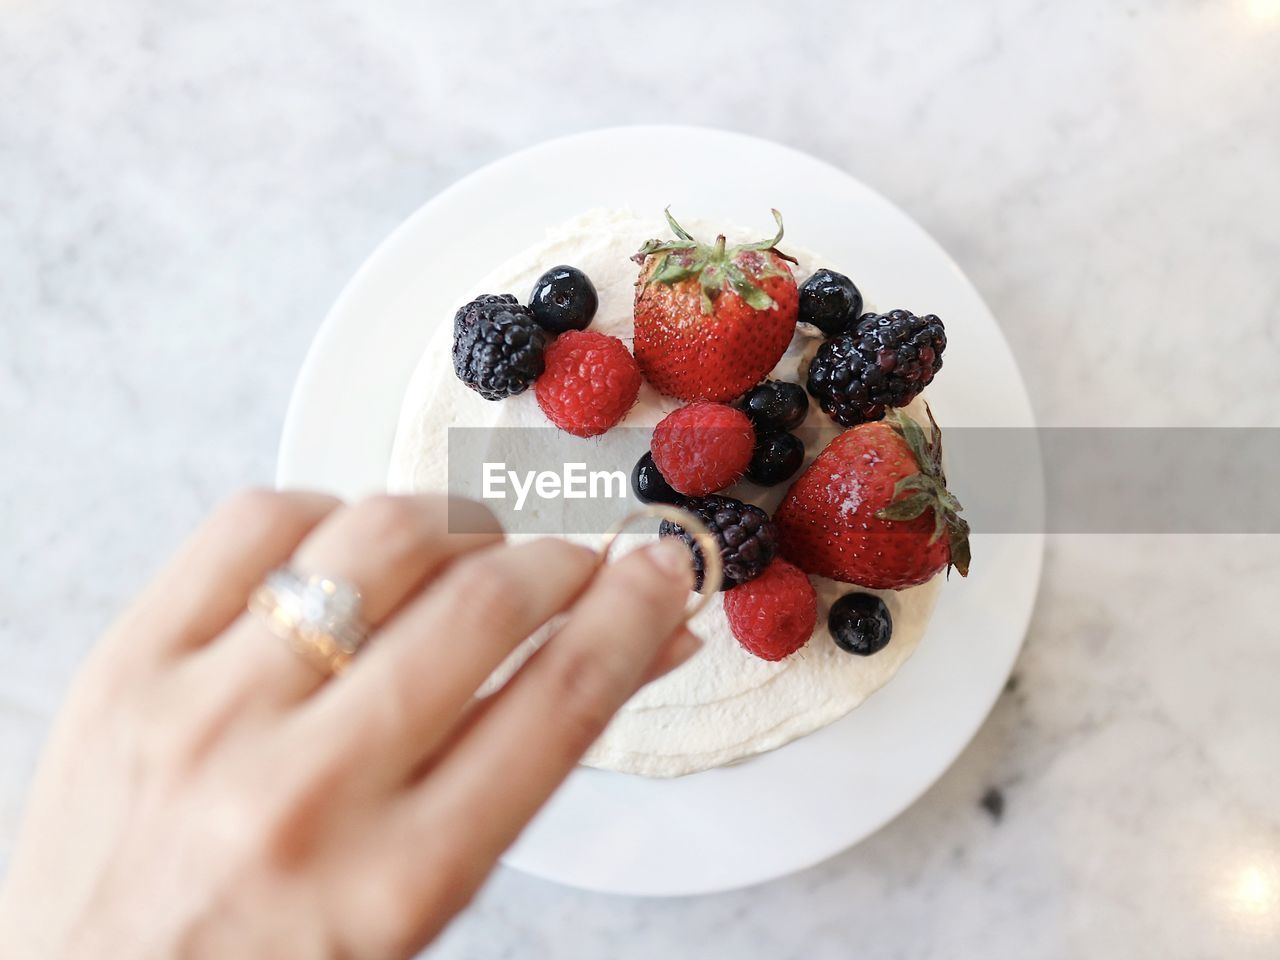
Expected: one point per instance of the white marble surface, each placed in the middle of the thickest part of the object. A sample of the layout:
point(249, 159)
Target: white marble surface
point(184, 187)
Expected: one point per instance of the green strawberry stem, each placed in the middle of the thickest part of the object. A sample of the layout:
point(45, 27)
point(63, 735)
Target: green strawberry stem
point(715, 266)
point(927, 490)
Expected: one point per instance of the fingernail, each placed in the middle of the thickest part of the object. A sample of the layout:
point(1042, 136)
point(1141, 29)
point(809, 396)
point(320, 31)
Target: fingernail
point(673, 558)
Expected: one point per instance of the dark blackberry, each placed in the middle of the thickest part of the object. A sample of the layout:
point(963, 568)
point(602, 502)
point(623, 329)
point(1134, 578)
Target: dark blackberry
point(830, 302)
point(745, 533)
point(860, 623)
point(885, 362)
point(497, 346)
point(776, 458)
point(564, 298)
point(776, 406)
point(649, 485)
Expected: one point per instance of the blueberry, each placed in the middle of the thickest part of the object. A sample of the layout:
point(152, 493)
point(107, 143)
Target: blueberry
point(860, 623)
point(830, 302)
point(564, 298)
point(775, 406)
point(649, 485)
point(777, 457)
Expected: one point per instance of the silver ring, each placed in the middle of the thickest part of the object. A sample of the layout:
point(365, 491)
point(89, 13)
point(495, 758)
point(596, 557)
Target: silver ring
point(712, 564)
point(319, 616)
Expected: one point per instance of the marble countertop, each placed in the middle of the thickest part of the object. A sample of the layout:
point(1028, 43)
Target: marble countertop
point(184, 188)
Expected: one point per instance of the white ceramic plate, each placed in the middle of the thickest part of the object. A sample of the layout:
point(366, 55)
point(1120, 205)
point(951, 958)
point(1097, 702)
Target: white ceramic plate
point(785, 810)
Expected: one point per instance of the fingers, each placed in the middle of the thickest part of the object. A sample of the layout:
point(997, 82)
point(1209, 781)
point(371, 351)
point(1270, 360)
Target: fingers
point(519, 749)
point(679, 649)
point(387, 547)
point(205, 587)
point(408, 688)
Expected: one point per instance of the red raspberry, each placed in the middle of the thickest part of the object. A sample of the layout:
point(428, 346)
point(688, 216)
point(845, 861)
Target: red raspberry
point(773, 615)
point(589, 382)
point(703, 447)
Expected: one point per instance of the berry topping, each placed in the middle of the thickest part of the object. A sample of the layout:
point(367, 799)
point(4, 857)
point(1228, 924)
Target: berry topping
point(884, 362)
point(830, 302)
point(703, 447)
point(860, 623)
point(776, 406)
point(589, 384)
point(773, 615)
point(745, 533)
point(649, 485)
point(497, 346)
point(873, 509)
point(776, 458)
point(564, 298)
point(710, 319)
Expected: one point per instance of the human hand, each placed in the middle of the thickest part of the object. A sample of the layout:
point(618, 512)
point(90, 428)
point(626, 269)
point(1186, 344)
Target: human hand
point(207, 793)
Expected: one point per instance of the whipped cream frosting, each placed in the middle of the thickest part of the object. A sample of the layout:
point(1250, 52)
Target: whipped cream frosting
point(725, 704)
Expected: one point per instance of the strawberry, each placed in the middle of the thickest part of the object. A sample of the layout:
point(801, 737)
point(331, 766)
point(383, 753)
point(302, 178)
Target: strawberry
point(874, 509)
point(712, 321)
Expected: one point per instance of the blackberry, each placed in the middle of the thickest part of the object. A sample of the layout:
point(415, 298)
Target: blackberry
point(776, 406)
point(497, 346)
point(564, 298)
point(860, 624)
point(776, 458)
point(830, 302)
point(747, 537)
point(649, 485)
point(884, 362)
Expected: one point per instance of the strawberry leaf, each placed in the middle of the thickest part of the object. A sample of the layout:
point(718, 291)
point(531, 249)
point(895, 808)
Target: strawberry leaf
point(678, 230)
point(754, 296)
point(948, 500)
point(908, 508)
point(658, 246)
point(671, 270)
point(914, 435)
point(764, 244)
point(915, 481)
point(958, 535)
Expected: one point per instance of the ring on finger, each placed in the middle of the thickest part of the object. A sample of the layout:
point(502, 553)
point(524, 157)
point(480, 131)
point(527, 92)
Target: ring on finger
point(318, 616)
point(708, 546)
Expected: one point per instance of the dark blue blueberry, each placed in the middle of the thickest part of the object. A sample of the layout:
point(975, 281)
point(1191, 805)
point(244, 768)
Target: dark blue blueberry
point(830, 302)
point(776, 406)
point(860, 623)
point(649, 485)
point(776, 458)
point(564, 298)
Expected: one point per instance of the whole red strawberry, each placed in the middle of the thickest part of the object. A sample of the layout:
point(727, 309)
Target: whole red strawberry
point(773, 615)
point(874, 509)
point(588, 384)
point(711, 321)
point(703, 447)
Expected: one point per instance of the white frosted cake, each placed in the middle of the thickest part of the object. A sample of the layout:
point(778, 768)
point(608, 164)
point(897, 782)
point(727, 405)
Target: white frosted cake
point(725, 704)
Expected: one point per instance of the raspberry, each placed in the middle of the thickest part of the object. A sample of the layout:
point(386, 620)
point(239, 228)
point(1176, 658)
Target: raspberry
point(773, 615)
point(703, 447)
point(589, 383)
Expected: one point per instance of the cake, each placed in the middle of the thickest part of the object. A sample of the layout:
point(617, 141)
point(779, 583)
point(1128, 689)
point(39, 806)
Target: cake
point(726, 704)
